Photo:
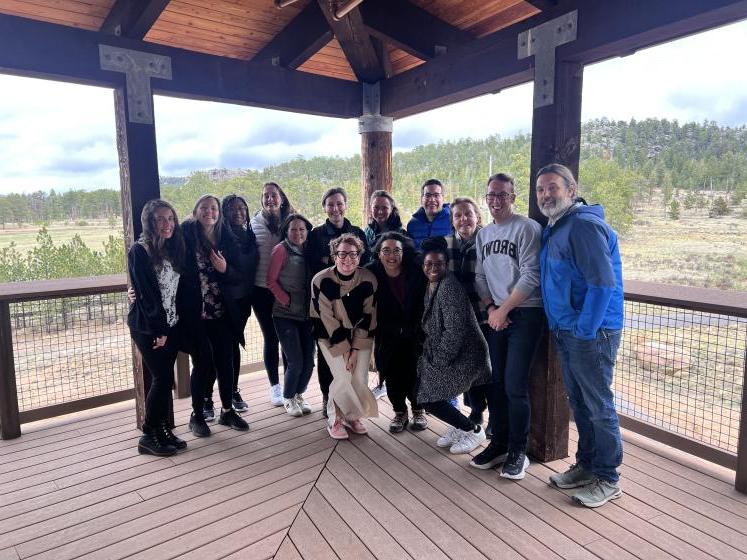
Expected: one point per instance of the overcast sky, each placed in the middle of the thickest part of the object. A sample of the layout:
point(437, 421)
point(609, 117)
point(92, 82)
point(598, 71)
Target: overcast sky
point(61, 136)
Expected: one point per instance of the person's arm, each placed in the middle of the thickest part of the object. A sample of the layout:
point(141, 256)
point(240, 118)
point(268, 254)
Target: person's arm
point(329, 328)
point(593, 259)
point(363, 332)
point(278, 258)
point(147, 293)
point(454, 301)
point(481, 280)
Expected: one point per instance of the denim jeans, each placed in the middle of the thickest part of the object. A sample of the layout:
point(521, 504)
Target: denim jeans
point(587, 373)
point(297, 341)
point(511, 352)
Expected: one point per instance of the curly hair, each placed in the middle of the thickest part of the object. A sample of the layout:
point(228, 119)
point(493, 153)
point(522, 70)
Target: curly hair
point(348, 238)
point(408, 246)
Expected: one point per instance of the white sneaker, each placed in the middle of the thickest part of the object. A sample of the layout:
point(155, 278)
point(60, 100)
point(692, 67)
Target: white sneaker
point(303, 403)
point(448, 439)
point(276, 395)
point(379, 392)
point(292, 408)
point(468, 441)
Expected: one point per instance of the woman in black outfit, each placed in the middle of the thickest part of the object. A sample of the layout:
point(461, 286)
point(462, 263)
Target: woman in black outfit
point(399, 303)
point(154, 265)
point(213, 260)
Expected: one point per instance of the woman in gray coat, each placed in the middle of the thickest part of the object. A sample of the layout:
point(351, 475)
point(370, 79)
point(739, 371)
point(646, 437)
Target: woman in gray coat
point(455, 354)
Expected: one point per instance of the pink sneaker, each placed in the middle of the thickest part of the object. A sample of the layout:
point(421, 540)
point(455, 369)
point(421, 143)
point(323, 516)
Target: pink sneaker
point(357, 426)
point(337, 430)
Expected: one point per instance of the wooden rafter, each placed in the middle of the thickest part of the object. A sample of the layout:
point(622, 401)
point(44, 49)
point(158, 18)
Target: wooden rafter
point(355, 42)
point(299, 40)
point(412, 29)
point(133, 18)
point(543, 4)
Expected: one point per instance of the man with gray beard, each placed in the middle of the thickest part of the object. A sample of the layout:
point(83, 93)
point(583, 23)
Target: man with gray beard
point(582, 292)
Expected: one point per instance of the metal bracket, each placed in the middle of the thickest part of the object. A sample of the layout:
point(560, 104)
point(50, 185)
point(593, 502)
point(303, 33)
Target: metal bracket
point(541, 42)
point(139, 68)
point(375, 123)
point(371, 99)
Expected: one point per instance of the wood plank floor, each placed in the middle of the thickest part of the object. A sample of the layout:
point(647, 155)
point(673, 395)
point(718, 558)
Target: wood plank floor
point(75, 487)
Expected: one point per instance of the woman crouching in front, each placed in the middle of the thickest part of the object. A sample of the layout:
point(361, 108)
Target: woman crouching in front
point(344, 313)
point(455, 354)
point(155, 264)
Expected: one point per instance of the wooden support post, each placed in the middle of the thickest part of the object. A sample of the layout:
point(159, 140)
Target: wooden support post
point(741, 477)
point(376, 148)
point(183, 389)
point(556, 135)
point(10, 422)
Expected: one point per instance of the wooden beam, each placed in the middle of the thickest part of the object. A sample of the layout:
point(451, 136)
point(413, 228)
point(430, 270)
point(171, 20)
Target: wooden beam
point(299, 40)
point(383, 54)
point(10, 422)
point(543, 4)
point(46, 50)
point(410, 28)
point(133, 18)
point(355, 42)
point(606, 29)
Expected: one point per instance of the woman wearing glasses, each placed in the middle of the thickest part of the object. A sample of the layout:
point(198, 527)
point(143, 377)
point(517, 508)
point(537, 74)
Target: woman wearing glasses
point(344, 314)
point(399, 309)
point(455, 354)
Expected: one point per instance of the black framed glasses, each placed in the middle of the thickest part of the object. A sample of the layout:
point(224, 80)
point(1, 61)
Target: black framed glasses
point(389, 252)
point(502, 196)
point(345, 254)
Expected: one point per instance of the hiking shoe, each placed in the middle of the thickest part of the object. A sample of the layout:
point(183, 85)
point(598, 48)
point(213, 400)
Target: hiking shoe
point(357, 426)
point(399, 422)
point(276, 395)
point(325, 402)
point(379, 392)
point(149, 444)
point(198, 426)
point(448, 439)
point(303, 404)
point(489, 457)
point(598, 493)
point(419, 420)
point(208, 410)
point(515, 466)
point(292, 408)
point(337, 431)
point(231, 419)
point(468, 441)
point(238, 403)
point(574, 477)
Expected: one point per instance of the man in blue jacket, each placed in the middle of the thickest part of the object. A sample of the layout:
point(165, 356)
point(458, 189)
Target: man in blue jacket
point(582, 292)
point(433, 218)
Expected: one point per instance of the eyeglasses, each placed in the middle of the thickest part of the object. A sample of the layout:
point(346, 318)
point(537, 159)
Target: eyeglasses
point(389, 252)
point(345, 254)
point(434, 264)
point(432, 195)
point(503, 196)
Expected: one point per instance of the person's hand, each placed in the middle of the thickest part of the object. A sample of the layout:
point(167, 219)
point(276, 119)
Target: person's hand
point(219, 263)
point(352, 360)
point(131, 295)
point(498, 319)
point(159, 342)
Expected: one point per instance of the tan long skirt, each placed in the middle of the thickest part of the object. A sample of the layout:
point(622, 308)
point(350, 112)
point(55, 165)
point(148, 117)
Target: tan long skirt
point(349, 395)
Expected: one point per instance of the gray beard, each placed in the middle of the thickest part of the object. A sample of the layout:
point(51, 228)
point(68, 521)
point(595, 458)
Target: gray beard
point(556, 212)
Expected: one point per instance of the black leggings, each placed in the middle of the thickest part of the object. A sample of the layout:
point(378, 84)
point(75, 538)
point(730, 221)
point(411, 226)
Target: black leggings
point(213, 357)
point(400, 373)
point(447, 413)
point(160, 365)
point(262, 302)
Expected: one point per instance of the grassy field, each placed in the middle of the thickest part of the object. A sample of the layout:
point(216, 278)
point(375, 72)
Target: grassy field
point(93, 234)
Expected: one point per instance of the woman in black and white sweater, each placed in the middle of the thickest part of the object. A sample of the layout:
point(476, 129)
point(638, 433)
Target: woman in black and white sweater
point(155, 264)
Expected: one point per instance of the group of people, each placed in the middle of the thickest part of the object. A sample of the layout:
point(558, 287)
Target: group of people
point(443, 307)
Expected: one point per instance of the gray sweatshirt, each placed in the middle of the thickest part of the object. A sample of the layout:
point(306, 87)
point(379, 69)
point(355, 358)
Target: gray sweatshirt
point(508, 259)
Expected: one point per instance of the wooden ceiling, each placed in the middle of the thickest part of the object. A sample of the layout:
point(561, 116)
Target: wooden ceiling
point(240, 29)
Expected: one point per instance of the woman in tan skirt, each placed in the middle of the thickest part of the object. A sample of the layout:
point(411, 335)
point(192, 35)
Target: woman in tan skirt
point(344, 313)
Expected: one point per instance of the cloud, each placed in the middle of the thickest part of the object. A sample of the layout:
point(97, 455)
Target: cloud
point(728, 110)
point(282, 133)
point(76, 165)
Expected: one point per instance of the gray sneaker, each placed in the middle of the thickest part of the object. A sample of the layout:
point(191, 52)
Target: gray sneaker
point(572, 478)
point(597, 493)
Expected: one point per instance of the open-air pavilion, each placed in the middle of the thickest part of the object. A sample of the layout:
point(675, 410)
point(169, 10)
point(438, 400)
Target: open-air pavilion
point(73, 485)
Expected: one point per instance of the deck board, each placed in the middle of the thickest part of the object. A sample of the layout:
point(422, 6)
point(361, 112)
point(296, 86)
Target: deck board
point(75, 487)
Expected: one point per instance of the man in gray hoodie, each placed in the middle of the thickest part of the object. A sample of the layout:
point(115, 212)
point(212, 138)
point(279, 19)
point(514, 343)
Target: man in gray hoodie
point(507, 277)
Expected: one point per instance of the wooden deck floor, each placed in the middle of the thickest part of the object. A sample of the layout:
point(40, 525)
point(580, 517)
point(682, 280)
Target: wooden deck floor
point(76, 488)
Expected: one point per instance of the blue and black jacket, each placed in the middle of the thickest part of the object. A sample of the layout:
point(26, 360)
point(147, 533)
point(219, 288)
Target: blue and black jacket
point(420, 227)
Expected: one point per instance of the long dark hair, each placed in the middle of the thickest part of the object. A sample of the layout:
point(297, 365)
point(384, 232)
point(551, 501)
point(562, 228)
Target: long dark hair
point(157, 248)
point(285, 207)
point(203, 243)
point(408, 247)
point(394, 221)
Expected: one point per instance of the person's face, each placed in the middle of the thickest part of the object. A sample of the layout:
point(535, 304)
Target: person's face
point(553, 196)
point(165, 222)
point(207, 213)
point(271, 199)
point(500, 197)
point(381, 209)
point(390, 256)
point(432, 199)
point(236, 213)
point(297, 232)
point(434, 266)
point(335, 207)
point(347, 258)
point(464, 219)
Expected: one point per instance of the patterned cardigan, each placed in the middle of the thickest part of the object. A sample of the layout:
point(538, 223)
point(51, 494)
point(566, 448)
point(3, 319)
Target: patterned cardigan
point(344, 320)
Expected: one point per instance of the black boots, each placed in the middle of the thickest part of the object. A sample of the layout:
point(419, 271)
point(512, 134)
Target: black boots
point(172, 438)
point(154, 442)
